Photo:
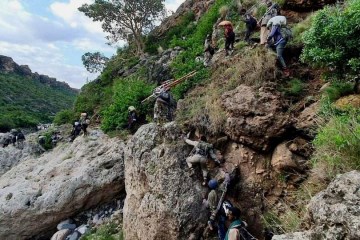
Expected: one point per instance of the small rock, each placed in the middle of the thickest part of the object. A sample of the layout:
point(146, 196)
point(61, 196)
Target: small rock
point(83, 229)
point(74, 236)
point(61, 234)
point(66, 224)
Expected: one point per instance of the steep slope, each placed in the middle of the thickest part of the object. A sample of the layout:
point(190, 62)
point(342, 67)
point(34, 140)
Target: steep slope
point(28, 98)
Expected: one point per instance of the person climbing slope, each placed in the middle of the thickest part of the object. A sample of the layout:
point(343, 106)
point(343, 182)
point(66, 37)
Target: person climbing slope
point(272, 11)
point(229, 36)
point(251, 24)
point(165, 106)
point(200, 153)
point(212, 199)
point(277, 41)
point(233, 232)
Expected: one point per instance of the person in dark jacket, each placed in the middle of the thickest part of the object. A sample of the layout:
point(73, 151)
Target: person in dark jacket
point(277, 42)
point(251, 24)
point(132, 119)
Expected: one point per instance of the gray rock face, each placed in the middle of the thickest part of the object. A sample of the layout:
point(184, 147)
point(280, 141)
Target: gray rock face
point(334, 213)
point(255, 116)
point(38, 193)
point(163, 201)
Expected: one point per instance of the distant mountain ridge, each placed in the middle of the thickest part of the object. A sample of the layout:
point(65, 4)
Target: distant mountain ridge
point(28, 98)
point(7, 65)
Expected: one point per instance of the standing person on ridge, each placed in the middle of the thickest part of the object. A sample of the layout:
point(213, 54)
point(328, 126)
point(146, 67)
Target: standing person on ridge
point(132, 119)
point(84, 122)
point(278, 42)
point(272, 11)
point(229, 36)
point(200, 153)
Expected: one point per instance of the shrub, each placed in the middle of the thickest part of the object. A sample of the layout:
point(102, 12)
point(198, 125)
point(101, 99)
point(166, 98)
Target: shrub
point(109, 231)
point(338, 89)
point(127, 92)
point(185, 61)
point(333, 39)
point(64, 116)
point(294, 87)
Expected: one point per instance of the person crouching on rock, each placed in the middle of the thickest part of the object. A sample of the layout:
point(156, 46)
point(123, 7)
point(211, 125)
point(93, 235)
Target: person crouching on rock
point(200, 153)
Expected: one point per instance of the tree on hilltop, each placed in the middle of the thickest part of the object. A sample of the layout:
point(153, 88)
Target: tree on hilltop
point(94, 62)
point(126, 19)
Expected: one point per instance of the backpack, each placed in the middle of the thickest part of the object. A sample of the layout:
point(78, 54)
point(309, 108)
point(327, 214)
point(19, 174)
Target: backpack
point(203, 148)
point(286, 33)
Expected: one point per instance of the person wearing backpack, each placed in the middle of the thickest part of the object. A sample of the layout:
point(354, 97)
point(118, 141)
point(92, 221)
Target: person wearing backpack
point(20, 138)
point(165, 106)
point(84, 122)
point(212, 199)
point(234, 232)
point(200, 153)
point(277, 41)
point(272, 11)
point(208, 50)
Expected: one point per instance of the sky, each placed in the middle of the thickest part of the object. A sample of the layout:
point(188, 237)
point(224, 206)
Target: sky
point(51, 36)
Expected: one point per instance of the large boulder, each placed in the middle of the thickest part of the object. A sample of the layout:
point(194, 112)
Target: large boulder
point(334, 213)
point(285, 160)
point(38, 193)
point(308, 120)
point(162, 201)
point(256, 117)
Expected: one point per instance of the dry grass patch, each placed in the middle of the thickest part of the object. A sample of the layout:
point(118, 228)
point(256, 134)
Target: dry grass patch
point(202, 106)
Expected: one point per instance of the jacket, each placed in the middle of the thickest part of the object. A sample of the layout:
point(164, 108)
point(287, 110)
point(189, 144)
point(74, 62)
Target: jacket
point(275, 34)
point(233, 232)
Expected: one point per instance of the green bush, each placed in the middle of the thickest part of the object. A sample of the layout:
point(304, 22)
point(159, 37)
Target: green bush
point(127, 92)
point(64, 116)
point(333, 39)
point(294, 87)
point(338, 89)
point(185, 62)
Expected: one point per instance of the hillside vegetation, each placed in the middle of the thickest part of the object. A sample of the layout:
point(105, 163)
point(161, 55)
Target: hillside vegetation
point(26, 102)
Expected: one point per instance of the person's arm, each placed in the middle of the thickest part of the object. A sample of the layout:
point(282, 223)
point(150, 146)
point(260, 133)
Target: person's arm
point(234, 234)
point(272, 33)
point(213, 156)
point(193, 143)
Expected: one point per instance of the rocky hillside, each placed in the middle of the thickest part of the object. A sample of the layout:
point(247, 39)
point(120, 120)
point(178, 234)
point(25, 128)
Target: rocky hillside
point(27, 98)
point(290, 144)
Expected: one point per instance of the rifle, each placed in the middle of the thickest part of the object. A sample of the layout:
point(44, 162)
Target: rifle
point(168, 85)
point(267, 11)
point(222, 198)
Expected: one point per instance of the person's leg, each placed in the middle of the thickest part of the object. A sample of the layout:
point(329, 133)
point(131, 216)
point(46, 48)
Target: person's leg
point(204, 170)
point(247, 35)
point(227, 45)
point(221, 227)
point(279, 52)
point(263, 35)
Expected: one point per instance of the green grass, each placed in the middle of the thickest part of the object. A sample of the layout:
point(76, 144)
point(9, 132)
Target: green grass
point(294, 87)
point(337, 144)
point(108, 231)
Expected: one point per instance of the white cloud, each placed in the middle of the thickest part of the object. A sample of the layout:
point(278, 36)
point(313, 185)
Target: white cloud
point(51, 45)
point(173, 4)
point(70, 14)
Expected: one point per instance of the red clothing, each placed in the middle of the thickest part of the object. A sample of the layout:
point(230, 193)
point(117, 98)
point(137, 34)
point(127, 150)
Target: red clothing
point(228, 30)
